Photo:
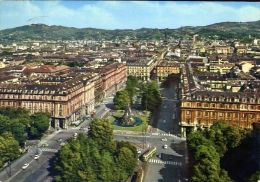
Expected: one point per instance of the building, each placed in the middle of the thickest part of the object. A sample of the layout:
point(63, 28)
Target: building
point(223, 49)
point(141, 68)
point(200, 108)
point(65, 101)
point(165, 68)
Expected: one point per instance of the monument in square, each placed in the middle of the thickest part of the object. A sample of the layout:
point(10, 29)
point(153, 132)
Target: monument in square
point(127, 118)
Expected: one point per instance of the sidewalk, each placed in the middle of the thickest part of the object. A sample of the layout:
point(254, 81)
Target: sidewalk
point(4, 176)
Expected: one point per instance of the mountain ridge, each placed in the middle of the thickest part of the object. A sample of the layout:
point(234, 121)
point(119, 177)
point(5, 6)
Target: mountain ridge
point(224, 30)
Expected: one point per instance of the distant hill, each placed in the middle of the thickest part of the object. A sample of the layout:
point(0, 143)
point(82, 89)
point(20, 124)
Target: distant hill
point(225, 30)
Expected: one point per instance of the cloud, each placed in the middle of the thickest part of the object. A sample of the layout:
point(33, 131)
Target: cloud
point(125, 14)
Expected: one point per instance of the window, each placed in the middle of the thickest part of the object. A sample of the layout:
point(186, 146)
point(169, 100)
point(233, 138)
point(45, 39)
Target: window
point(213, 114)
point(220, 114)
point(199, 104)
point(206, 113)
point(188, 112)
point(199, 121)
point(188, 121)
point(252, 116)
point(206, 105)
point(199, 113)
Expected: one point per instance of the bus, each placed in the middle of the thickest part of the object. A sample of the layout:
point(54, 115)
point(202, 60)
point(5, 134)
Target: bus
point(149, 154)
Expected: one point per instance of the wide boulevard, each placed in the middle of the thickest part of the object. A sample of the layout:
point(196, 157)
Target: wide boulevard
point(169, 164)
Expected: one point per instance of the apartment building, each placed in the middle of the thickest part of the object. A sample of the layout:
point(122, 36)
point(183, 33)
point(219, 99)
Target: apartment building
point(200, 108)
point(140, 68)
point(221, 68)
point(65, 101)
point(165, 68)
point(223, 49)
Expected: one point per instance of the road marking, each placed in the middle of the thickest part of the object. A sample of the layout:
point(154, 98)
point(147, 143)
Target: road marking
point(164, 134)
point(49, 150)
point(157, 161)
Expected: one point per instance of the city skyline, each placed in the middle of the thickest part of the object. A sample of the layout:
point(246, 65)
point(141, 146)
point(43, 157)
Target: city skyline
point(125, 14)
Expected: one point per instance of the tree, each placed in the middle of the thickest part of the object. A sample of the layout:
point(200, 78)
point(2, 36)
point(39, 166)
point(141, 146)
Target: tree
point(195, 139)
point(4, 124)
point(40, 123)
point(101, 131)
point(253, 178)
point(9, 148)
point(18, 130)
point(232, 134)
point(121, 99)
point(206, 152)
point(151, 97)
point(96, 158)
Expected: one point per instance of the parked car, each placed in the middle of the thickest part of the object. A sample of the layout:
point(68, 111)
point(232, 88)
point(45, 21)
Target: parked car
point(75, 134)
point(164, 139)
point(160, 155)
point(164, 121)
point(45, 145)
point(59, 140)
point(36, 157)
point(165, 146)
point(25, 166)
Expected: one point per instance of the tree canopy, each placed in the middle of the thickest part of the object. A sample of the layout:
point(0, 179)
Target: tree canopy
point(208, 146)
point(9, 148)
point(151, 96)
point(121, 99)
point(96, 158)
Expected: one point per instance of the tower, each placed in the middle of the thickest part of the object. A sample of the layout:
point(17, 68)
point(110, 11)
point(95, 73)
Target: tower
point(195, 38)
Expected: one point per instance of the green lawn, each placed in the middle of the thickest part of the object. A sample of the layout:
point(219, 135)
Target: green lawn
point(139, 128)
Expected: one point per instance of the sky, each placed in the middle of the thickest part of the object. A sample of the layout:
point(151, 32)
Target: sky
point(113, 15)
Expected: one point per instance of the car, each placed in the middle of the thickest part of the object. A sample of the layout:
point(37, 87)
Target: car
point(160, 155)
point(164, 139)
point(62, 143)
point(59, 140)
point(139, 151)
point(25, 166)
point(45, 144)
point(165, 146)
point(127, 137)
point(164, 121)
point(36, 157)
point(105, 109)
point(165, 107)
point(75, 134)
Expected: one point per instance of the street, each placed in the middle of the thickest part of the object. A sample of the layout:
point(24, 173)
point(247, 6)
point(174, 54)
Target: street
point(42, 169)
point(168, 164)
point(171, 166)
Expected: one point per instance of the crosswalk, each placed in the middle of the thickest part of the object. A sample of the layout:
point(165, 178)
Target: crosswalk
point(164, 134)
point(49, 150)
point(174, 163)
